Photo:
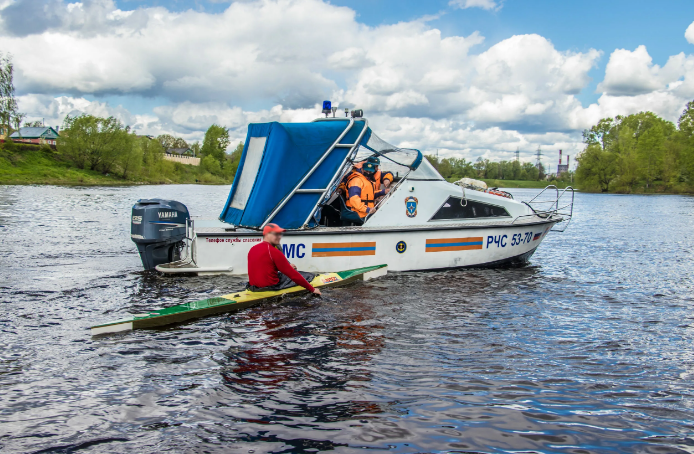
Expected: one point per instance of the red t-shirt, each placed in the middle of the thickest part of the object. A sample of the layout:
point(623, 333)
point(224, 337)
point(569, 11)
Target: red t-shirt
point(264, 261)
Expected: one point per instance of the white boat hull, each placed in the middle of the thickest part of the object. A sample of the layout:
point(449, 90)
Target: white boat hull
point(407, 249)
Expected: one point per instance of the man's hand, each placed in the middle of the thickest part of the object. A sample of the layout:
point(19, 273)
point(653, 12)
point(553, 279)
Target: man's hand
point(293, 266)
point(316, 292)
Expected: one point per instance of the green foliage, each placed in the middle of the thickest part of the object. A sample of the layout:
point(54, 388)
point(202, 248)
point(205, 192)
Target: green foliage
point(599, 134)
point(596, 167)
point(484, 169)
point(231, 163)
point(216, 142)
point(94, 150)
point(453, 167)
point(9, 113)
point(639, 153)
point(94, 143)
point(168, 141)
point(210, 164)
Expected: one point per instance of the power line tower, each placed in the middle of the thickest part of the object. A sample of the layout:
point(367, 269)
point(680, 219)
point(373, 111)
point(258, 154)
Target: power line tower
point(538, 156)
point(517, 154)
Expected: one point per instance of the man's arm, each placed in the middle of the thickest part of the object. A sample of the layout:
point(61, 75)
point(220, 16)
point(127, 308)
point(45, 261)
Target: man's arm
point(286, 268)
point(355, 198)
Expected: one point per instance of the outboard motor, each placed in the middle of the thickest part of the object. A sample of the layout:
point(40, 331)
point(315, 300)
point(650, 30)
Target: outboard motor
point(158, 228)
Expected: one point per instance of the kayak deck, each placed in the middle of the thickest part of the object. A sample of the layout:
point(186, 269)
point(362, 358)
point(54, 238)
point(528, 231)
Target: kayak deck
point(232, 302)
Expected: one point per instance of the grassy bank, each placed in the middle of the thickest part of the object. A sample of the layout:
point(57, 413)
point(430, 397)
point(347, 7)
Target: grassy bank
point(43, 165)
point(524, 184)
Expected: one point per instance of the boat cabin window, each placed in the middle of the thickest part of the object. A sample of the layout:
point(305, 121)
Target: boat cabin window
point(453, 209)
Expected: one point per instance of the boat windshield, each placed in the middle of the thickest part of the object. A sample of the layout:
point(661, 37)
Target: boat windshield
point(399, 161)
point(425, 172)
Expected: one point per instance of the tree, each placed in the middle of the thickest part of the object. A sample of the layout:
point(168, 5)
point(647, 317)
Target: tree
point(599, 134)
point(210, 164)
point(686, 120)
point(94, 143)
point(34, 124)
point(479, 166)
point(130, 157)
point(168, 141)
point(216, 142)
point(231, 164)
point(596, 167)
point(9, 113)
point(529, 172)
point(196, 147)
point(649, 153)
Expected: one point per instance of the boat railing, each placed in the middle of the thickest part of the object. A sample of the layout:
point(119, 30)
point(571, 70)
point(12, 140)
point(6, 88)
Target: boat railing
point(553, 202)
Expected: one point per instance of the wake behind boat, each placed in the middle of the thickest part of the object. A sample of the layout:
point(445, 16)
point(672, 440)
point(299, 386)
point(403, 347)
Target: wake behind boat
point(289, 174)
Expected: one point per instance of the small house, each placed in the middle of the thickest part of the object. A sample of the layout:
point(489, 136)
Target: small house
point(37, 135)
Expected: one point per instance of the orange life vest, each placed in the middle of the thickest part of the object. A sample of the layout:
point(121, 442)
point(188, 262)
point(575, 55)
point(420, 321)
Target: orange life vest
point(365, 199)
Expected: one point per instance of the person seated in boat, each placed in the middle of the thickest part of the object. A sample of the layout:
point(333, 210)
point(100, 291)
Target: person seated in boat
point(382, 180)
point(269, 269)
point(361, 194)
point(385, 180)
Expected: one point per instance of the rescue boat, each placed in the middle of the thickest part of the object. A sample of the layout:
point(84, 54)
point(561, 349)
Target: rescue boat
point(289, 174)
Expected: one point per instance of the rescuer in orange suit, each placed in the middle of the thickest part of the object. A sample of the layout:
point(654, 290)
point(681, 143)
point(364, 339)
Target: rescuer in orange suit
point(360, 190)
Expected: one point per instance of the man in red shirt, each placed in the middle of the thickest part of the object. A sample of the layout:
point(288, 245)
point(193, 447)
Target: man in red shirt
point(269, 269)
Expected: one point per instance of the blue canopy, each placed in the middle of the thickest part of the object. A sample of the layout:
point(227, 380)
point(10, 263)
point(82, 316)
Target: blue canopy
point(276, 158)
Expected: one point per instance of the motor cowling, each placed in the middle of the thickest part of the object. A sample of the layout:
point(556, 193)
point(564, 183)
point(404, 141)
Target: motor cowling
point(158, 228)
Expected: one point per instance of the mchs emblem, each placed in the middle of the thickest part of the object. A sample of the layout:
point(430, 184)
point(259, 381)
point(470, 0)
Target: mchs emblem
point(411, 205)
point(401, 247)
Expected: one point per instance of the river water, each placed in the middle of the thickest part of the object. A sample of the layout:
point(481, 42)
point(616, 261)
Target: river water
point(587, 349)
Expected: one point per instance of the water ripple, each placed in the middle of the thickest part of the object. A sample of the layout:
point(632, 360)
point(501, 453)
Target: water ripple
point(588, 349)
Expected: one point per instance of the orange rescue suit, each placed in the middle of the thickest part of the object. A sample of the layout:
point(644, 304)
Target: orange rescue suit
point(360, 194)
point(379, 177)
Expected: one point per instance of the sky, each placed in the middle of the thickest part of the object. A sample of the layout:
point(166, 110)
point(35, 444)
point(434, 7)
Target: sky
point(466, 78)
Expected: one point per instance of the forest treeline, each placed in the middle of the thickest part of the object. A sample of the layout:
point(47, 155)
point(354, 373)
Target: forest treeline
point(639, 153)
point(107, 147)
point(456, 168)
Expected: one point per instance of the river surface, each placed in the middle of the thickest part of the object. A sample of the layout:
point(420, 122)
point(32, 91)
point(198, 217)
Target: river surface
point(587, 349)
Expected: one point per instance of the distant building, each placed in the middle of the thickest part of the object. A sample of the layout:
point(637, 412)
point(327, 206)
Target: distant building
point(37, 135)
point(182, 155)
point(562, 168)
point(180, 152)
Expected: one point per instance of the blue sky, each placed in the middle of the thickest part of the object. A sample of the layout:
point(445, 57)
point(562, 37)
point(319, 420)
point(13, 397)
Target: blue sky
point(472, 78)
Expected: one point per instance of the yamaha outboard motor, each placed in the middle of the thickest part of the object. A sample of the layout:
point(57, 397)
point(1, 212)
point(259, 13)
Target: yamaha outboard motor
point(158, 228)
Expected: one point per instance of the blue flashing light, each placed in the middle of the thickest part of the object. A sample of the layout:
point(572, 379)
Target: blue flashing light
point(327, 106)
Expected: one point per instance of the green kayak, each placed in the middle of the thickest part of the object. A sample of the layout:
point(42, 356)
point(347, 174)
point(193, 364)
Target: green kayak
point(232, 302)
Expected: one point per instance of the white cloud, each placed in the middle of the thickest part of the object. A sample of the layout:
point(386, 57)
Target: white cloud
point(689, 33)
point(633, 83)
point(274, 60)
point(484, 4)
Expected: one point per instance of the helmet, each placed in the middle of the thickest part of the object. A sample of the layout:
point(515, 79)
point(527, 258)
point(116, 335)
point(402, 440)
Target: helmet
point(369, 167)
point(374, 160)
